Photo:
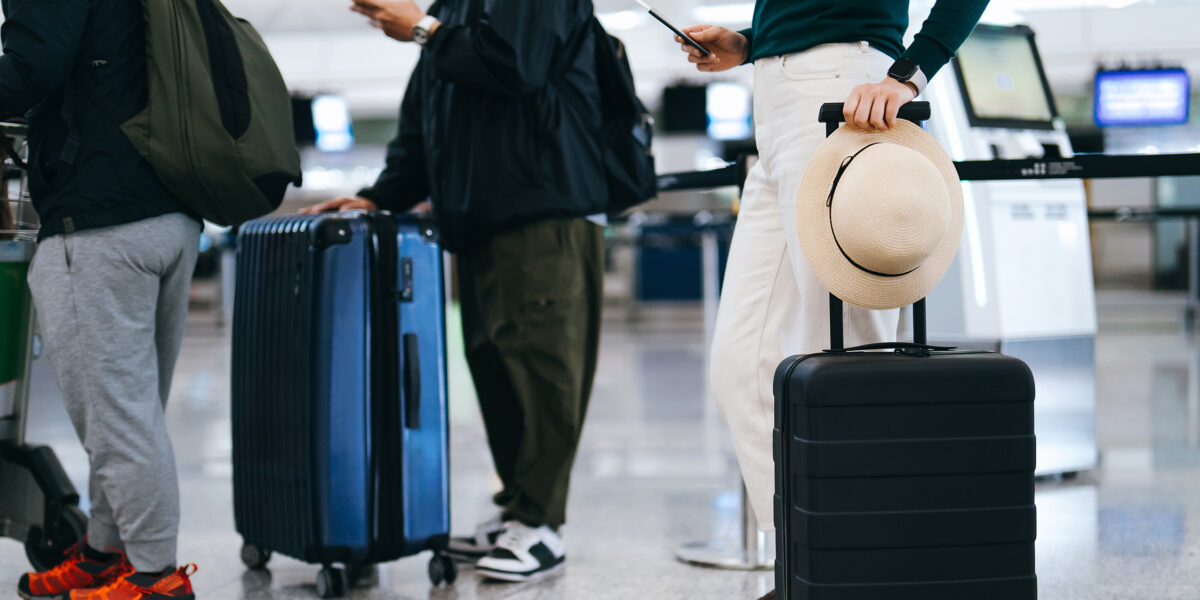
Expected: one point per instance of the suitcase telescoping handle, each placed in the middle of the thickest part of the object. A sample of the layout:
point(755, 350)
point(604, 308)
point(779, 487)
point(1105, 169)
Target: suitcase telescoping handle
point(837, 338)
point(831, 115)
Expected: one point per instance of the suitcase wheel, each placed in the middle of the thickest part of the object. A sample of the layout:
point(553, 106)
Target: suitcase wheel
point(442, 569)
point(46, 550)
point(331, 582)
point(255, 558)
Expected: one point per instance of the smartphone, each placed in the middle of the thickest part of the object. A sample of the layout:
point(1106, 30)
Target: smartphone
point(677, 31)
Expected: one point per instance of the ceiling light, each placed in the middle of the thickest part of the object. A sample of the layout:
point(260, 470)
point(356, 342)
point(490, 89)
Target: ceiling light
point(725, 14)
point(621, 21)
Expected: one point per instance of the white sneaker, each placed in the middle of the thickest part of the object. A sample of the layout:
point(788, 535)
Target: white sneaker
point(523, 553)
point(471, 549)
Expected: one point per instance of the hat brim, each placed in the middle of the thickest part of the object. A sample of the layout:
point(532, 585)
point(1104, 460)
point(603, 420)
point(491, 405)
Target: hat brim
point(837, 274)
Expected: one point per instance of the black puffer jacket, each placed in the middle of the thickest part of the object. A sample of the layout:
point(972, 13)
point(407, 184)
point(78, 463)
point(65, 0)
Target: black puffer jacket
point(46, 44)
point(500, 123)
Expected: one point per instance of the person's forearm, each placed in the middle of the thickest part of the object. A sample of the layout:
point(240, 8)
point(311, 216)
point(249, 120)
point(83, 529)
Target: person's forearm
point(40, 47)
point(948, 25)
point(512, 51)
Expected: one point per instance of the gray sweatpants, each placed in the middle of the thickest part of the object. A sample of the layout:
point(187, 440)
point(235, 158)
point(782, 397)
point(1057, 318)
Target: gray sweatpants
point(111, 306)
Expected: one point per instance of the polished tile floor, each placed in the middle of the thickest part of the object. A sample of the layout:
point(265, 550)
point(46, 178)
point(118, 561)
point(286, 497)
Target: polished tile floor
point(655, 473)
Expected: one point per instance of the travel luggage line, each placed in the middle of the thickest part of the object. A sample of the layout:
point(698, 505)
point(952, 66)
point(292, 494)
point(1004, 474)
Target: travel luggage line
point(1083, 166)
point(923, 440)
point(918, 512)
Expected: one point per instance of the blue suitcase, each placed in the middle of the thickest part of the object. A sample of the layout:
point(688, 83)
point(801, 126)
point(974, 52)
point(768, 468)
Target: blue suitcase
point(340, 437)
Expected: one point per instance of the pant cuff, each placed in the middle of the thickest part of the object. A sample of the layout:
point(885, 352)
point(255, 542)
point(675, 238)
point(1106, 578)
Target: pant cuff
point(104, 535)
point(153, 555)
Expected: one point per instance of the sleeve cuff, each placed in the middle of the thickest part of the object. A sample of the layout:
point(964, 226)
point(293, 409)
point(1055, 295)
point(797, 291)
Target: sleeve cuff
point(928, 57)
point(749, 35)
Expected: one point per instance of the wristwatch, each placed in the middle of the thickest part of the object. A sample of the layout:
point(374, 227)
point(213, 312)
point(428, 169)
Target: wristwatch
point(904, 70)
point(423, 30)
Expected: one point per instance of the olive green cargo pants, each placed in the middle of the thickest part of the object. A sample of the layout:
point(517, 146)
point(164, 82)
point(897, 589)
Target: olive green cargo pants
point(531, 306)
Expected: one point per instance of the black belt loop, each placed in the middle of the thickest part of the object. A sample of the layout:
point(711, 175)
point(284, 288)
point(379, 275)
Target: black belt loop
point(829, 205)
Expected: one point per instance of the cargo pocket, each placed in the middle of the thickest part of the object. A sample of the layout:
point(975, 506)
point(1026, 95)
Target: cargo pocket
point(552, 278)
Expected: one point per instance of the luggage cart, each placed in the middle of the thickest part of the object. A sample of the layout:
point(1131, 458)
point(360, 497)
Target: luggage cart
point(39, 506)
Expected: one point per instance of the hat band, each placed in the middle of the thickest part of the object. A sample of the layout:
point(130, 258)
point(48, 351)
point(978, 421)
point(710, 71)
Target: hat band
point(829, 205)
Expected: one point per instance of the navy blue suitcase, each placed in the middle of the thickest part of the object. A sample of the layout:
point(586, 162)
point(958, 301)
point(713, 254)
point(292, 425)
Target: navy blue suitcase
point(340, 436)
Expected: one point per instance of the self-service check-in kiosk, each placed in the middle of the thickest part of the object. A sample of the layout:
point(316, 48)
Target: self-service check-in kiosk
point(1022, 282)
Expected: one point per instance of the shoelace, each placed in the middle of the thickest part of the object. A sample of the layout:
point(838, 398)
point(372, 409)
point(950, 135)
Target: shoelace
point(74, 555)
point(518, 537)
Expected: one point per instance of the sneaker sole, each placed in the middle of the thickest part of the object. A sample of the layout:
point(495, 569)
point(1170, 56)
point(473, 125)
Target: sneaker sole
point(25, 596)
point(519, 577)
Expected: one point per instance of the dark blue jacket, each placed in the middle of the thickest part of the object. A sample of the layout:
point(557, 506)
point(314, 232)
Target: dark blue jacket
point(48, 43)
point(501, 123)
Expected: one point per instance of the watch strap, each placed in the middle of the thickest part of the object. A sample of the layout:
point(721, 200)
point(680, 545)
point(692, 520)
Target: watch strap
point(424, 26)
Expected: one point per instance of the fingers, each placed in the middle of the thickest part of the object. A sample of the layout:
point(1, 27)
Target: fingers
point(850, 107)
point(893, 110)
point(879, 111)
point(705, 33)
point(312, 210)
point(860, 115)
point(327, 206)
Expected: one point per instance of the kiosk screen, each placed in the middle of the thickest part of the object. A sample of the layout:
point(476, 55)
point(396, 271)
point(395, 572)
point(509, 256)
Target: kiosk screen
point(1002, 79)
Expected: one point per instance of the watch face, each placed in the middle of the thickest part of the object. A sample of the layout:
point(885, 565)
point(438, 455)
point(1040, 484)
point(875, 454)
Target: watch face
point(903, 70)
point(420, 36)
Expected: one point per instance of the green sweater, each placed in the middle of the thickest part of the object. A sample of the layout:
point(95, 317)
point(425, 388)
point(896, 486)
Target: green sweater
point(789, 26)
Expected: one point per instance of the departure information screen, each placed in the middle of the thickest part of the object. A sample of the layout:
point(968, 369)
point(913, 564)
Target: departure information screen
point(1135, 98)
point(1002, 79)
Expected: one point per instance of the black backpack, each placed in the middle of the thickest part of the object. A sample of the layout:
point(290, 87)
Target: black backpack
point(628, 127)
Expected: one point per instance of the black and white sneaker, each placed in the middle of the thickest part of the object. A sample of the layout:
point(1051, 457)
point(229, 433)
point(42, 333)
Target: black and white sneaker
point(523, 553)
point(471, 549)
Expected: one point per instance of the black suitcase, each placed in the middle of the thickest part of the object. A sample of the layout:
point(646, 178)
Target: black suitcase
point(904, 474)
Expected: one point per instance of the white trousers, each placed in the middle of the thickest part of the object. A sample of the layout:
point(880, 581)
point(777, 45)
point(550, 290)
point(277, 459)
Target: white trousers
point(772, 304)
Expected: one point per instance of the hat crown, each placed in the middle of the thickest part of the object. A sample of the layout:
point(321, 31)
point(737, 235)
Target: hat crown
point(891, 209)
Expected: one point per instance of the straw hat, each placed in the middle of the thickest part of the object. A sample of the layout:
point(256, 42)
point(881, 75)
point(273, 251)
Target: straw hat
point(880, 215)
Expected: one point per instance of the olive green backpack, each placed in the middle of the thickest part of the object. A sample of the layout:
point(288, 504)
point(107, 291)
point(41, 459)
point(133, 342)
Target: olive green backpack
point(218, 124)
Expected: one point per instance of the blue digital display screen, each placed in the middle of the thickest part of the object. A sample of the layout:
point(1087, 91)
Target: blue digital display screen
point(729, 112)
point(331, 119)
point(1137, 98)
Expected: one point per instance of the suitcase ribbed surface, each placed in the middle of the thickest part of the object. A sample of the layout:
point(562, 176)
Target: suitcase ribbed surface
point(272, 397)
point(904, 477)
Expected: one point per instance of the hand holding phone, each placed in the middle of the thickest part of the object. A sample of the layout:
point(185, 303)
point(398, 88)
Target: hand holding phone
point(727, 48)
point(679, 33)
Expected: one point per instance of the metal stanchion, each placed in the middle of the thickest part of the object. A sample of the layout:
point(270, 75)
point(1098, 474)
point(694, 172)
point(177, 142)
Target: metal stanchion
point(757, 551)
point(1193, 267)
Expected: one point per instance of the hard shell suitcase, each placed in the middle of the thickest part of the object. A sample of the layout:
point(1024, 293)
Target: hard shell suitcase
point(904, 474)
point(340, 438)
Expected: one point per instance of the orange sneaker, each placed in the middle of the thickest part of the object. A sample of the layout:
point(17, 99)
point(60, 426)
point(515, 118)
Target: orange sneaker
point(76, 572)
point(136, 586)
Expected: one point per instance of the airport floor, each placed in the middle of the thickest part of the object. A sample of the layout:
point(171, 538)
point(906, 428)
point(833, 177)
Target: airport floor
point(654, 472)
